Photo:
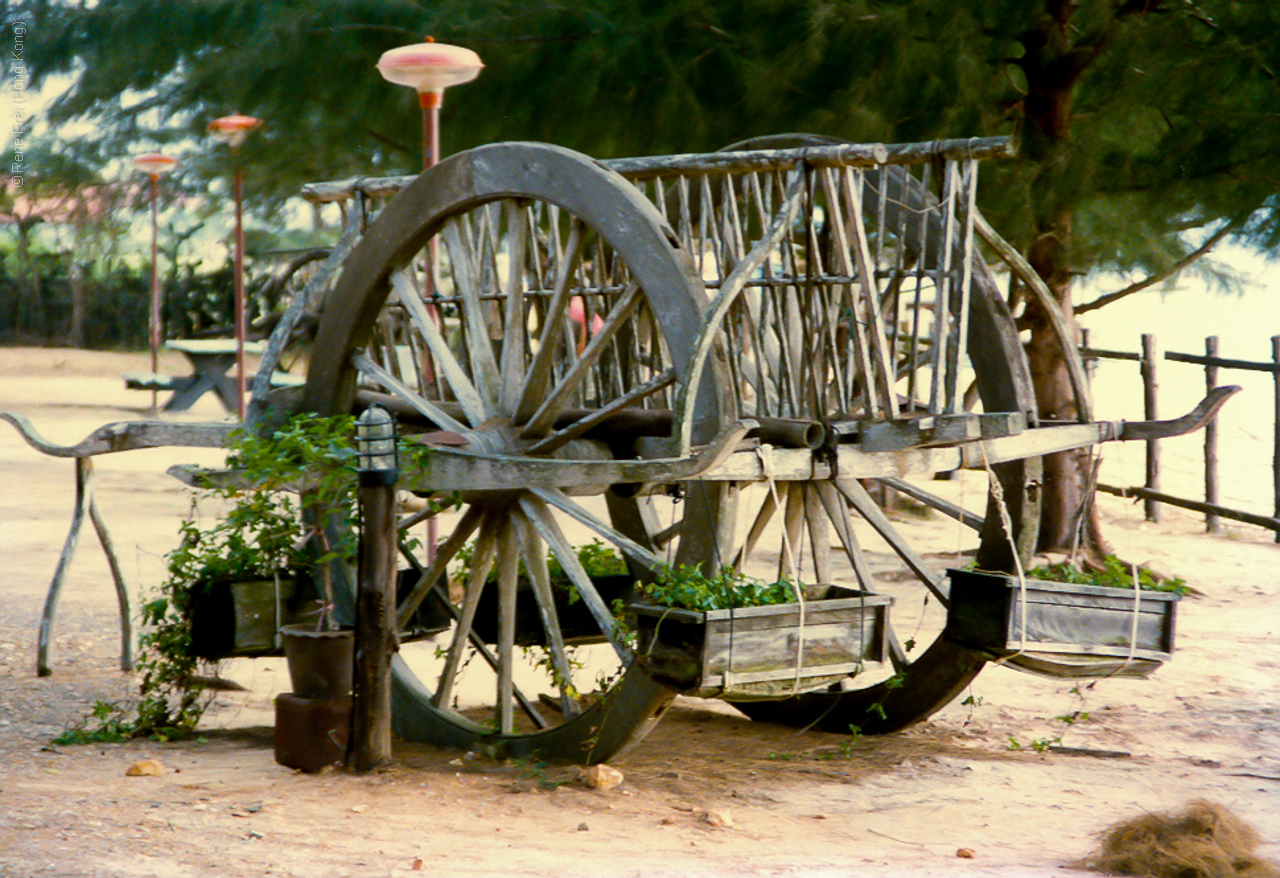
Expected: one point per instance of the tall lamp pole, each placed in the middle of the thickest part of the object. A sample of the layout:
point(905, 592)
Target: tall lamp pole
point(429, 68)
point(232, 130)
point(153, 165)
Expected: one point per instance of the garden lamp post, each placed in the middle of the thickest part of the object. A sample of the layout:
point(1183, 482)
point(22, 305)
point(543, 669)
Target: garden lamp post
point(430, 68)
point(378, 468)
point(232, 130)
point(153, 165)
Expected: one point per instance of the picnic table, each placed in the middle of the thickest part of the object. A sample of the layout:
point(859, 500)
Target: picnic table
point(212, 361)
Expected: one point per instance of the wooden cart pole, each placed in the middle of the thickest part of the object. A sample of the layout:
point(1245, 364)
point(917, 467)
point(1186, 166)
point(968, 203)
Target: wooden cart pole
point(378, 469)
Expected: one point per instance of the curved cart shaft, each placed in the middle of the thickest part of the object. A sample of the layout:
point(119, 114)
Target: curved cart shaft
point(110, 438)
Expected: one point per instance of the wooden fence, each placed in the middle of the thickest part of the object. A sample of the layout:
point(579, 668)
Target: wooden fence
point(1213, 365)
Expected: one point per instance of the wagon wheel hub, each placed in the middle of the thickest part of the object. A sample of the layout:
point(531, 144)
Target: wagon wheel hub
point(498, 440)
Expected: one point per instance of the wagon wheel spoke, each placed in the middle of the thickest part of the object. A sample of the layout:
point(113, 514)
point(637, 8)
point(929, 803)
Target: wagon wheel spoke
point(550, 532)
point(555, 331)
point(515, 329)
point(465, 638)
point(819, 535)
point(436, 570)
point(867, 508)
point(571, 382)
point(381, 376)
point(460, 246)
point(508, 582)
point(588, 422)
point(761, 521)
point(576, 511)
point(969, 519)
point(442, 356)
point(481, 564)
point(837, 512)
point(535, 559)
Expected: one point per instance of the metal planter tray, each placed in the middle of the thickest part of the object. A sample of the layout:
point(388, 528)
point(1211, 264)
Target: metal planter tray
point(752, 651)
point(1072, 631)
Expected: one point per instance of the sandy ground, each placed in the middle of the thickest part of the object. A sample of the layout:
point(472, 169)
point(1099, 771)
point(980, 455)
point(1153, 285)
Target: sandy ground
point(708, 793)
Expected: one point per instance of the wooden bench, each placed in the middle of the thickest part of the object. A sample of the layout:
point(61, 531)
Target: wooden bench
point(150, 381)
point(160, 381)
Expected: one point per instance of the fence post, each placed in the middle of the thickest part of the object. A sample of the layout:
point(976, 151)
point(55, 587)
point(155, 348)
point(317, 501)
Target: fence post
point(1211, 523)
point(1150, 354)
point(1090, 363)
point(1275, 460)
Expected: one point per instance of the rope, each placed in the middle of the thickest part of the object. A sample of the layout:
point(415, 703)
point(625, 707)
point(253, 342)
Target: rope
point(1133, 627)
point(765, 453)
point(1006, 523)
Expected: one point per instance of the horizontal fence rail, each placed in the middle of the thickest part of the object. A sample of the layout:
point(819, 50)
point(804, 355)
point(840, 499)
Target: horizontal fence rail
point(1212, 364)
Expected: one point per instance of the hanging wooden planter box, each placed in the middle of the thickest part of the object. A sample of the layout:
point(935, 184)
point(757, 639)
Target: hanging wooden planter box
point(1071, 631)
point(763, 651)
point(241, 617)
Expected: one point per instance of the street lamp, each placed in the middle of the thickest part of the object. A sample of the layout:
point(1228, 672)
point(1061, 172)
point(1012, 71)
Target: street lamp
point(154, 164)
point(430, 68)
point(232, 130)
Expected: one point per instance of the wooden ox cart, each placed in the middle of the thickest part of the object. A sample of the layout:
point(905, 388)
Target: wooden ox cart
point(648, 352)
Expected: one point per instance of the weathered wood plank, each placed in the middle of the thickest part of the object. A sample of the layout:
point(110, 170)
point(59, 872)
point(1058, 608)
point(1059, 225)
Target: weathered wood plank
point(777, 649)
point(127, 436)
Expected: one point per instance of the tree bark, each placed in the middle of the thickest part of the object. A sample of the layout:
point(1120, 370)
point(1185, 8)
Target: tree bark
point(1056, 57)
point(1068, 518)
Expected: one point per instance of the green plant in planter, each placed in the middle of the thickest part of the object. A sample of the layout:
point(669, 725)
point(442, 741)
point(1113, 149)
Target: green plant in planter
point(291, 507)
point(1114, 574)
point(687, 587)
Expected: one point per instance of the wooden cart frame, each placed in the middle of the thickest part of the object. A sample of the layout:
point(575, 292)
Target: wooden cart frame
point(645, 351)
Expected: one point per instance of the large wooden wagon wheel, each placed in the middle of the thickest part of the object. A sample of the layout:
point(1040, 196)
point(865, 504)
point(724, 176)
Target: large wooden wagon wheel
point(533, 311)
point(792, 358)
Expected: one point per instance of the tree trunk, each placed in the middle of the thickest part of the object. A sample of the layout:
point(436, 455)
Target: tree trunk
point(1068, 518)
point(1056, 56)
point(79, 303)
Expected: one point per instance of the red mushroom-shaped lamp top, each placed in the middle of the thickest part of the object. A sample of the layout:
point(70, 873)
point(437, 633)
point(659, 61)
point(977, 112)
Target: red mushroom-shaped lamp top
point(155, 164)
point(430, 68)
point(233, 129)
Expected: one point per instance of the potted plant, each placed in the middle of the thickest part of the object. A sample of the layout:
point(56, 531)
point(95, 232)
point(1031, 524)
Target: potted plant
point(709, 635)
point(260, 577)
point(1062, 621)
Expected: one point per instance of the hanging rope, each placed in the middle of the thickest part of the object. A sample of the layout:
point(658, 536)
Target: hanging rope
point(1006, 523)
point(765, 453)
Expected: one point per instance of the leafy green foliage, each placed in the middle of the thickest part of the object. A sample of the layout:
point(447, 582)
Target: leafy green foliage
point(596, 559)
point(687, 587)
point(110, 725)
point(292, 510)
point(1115, 574)
point(1162, 132)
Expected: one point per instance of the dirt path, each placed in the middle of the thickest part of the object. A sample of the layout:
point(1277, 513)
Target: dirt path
point(709, 793)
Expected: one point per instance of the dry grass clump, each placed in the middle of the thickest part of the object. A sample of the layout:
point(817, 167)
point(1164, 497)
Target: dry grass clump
point(1204, 841)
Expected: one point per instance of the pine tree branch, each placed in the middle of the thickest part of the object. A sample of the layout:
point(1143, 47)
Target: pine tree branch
point(1154, 279)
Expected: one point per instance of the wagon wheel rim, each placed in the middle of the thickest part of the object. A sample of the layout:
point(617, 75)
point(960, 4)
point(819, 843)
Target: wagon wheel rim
point(839, 518)
point(554, 291)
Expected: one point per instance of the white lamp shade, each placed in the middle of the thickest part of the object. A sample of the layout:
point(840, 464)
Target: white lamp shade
point(233, 129)
point(154, 163)
point(429, 67)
